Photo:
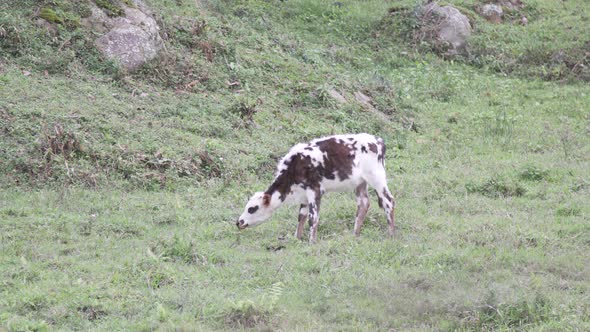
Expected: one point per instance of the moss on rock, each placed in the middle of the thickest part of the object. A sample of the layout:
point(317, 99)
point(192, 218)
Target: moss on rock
point(50, 15)
point(111, 7)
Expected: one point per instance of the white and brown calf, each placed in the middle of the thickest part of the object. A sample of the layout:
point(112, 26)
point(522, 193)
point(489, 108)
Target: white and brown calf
point(334, 163)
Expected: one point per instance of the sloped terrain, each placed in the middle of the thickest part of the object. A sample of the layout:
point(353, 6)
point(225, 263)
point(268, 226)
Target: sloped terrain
point(120, 190)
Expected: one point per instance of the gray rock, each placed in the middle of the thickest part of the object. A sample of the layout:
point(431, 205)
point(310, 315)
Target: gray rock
point(446, 27)
point(364, 100)
point(492, 12)
point(49, 27)
point(131, 40)
point(98, 21)
point(337, 96)
point(511, 4)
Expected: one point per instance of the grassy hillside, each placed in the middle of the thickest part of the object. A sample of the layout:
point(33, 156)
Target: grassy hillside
point(119, 192)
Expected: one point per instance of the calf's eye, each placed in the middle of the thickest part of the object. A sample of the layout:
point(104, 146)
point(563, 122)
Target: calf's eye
point(253, 209)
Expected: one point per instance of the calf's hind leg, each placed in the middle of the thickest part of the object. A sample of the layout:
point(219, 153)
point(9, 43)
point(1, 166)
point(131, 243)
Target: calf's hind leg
point(388, 204)
point(378, 181)
point(362, 203)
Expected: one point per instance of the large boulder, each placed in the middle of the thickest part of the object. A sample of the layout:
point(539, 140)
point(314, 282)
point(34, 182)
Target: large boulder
point(131, 39)
point(445, 27)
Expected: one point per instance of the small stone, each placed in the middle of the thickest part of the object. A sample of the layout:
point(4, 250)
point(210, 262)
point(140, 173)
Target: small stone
point(492, 13)
point(48, 26)
point(337, 96)
point(511, 4)
point(364, 100)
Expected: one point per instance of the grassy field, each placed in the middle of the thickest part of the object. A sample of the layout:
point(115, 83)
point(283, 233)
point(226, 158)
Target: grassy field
point(119, 192)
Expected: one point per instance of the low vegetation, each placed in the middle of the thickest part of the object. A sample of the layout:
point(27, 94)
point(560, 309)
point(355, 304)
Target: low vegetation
point(119, 192)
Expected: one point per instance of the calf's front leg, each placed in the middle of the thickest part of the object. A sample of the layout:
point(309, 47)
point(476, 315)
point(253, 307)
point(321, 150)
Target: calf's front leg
point(314, 198)
point(303, 212)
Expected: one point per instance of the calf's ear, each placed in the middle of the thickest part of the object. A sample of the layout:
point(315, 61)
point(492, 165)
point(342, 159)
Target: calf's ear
point(266, 199)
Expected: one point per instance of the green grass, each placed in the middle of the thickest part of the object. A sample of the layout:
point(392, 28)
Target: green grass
point(120, 192)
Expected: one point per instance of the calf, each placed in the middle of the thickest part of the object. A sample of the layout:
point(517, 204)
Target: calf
point(334, 163)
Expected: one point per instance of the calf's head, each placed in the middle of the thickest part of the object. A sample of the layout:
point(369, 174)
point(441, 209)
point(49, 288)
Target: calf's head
point(257, 210)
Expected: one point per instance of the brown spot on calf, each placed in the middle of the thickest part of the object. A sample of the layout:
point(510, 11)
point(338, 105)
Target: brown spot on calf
point(339, 158)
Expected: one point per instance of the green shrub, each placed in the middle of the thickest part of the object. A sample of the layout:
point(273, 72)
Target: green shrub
point(495, 187)
point(158, 279)
point(244, 314)
point(513, 315)
point(497, 125)
point(568, 211)
point(533, 173)
point(245, 109)
point(179, 250)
